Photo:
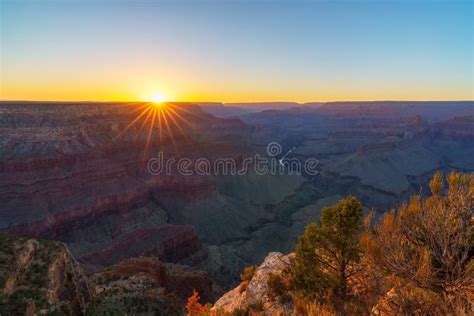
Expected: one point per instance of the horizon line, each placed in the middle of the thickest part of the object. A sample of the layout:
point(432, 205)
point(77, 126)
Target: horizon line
point(233, 102)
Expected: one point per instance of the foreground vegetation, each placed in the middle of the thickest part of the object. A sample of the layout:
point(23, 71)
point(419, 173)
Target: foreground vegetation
point(414, 260)
point(27, 270)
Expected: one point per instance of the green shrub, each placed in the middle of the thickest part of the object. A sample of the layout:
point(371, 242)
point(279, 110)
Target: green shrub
point(326, 251)
point(277, 288)
point(249, 309)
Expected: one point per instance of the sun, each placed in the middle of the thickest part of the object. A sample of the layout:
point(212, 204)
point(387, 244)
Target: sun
point(157, 98)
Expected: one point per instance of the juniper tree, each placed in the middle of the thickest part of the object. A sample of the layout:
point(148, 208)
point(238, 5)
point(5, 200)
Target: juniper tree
point(327, 250)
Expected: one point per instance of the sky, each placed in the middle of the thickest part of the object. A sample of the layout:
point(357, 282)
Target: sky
point(236, 51)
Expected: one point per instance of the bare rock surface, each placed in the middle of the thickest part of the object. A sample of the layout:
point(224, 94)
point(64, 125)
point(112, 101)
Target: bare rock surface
point(256, 291)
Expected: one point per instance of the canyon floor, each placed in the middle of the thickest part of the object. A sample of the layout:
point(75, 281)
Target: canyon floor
point(77, 173)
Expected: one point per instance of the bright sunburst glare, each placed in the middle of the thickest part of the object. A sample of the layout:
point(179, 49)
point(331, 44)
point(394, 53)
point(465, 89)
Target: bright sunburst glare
point(157, 98)
point(158, 105)
point(160, 121)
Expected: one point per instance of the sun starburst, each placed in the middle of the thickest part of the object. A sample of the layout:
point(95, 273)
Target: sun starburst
point(157, 119)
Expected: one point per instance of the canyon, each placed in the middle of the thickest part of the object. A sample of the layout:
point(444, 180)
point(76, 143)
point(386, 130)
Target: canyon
point(77, 173)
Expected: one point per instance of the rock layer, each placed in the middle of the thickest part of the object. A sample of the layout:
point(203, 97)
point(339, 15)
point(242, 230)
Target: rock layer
point(75, 173)
point(38, 276)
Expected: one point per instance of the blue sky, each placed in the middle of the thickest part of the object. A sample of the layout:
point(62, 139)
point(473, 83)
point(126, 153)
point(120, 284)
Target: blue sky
point(237, 50)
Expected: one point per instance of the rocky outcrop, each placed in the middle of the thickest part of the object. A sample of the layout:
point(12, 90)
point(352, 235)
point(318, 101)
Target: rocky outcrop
point(42, 277)
point(256, 291)
point(24, 258)
point(38, 277)
point(68, 287)
point(146, 284)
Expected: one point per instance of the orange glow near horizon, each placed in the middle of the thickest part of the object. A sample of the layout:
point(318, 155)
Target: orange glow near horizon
point(237, 94)
point(159, 104)
point(134, 86)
